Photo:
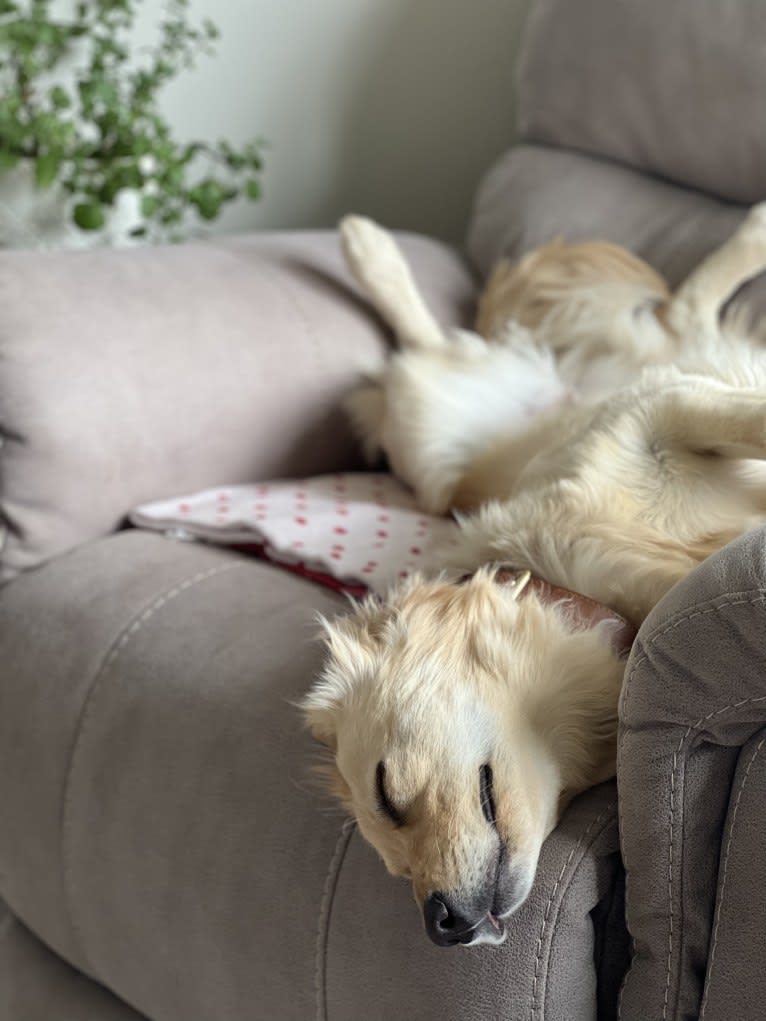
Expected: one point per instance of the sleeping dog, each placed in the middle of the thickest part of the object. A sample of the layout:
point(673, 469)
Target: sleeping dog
point(465, 711)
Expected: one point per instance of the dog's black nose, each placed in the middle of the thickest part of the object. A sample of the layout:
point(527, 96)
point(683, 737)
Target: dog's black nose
point(444, 924)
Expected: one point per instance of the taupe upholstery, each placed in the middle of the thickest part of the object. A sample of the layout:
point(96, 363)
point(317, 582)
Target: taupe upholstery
point(163, 853)
point(37, 985)
point(692, 781)
point(673, 90)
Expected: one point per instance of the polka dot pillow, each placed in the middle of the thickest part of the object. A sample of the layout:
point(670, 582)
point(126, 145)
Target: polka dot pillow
point(357, 532)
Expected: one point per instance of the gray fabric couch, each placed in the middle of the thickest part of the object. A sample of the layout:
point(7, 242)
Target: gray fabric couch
point(163, 853)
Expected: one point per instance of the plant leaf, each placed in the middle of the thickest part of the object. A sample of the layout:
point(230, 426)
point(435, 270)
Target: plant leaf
point(253, 189)
point(149, 205)
point(89, 215)
point(46, 169)
point(207, 196)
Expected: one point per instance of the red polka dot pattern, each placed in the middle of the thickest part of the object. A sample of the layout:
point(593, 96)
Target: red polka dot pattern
point(352, 529)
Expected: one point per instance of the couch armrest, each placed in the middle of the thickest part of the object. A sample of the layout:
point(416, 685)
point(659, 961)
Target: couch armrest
point(693, 714)
point(129, 376)
point(564, 956)
point(161, 833)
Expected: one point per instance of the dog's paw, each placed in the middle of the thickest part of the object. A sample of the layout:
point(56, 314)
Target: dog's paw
point(368, 248)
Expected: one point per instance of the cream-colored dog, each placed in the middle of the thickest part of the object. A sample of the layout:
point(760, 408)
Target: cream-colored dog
point(465, 711)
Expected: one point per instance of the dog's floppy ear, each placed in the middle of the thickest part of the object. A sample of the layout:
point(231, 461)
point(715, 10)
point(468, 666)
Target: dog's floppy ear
point(320, 712)
point(322, 703)
point(351, 645)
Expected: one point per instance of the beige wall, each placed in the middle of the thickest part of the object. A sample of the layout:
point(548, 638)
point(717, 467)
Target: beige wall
point(388, 107)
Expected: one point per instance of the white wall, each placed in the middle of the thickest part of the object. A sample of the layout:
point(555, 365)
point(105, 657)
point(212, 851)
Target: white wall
point(388, 107)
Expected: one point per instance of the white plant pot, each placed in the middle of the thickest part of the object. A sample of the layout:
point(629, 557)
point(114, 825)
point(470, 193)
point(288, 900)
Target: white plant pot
point(31, 217)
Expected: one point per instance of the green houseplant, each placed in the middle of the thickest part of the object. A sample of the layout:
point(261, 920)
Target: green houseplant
point(79, 110)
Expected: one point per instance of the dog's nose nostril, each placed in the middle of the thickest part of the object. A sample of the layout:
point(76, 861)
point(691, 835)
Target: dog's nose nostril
point(442, 916)
point(444, 925)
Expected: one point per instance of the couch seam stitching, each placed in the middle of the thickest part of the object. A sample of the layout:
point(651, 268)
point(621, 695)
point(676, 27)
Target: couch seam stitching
point(694, 726)
point(115, 650)
point(325, 910)
point(639, 661)
point(671, 914)
point(725, 875)
point(539, 947)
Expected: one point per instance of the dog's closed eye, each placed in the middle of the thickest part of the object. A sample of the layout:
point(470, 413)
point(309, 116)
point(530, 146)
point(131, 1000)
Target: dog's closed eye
point(384, 802)
point(486, 793)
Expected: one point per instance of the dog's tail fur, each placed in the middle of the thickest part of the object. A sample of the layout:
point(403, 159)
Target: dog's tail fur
point(381, 270)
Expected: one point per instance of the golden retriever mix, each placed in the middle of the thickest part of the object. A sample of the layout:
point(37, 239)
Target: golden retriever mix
point(465, 711)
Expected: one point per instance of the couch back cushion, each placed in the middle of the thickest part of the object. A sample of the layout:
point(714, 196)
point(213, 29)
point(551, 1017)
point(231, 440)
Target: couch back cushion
point(126, 376)
point(535, 193)
point(641, 122)
point(670, 88)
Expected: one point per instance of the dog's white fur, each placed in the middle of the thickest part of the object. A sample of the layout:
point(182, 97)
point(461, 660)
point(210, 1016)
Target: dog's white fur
point(637, 470)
